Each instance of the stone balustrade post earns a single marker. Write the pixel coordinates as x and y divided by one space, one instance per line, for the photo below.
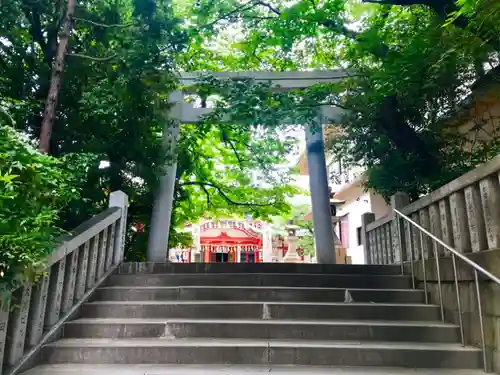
39 305
19 325
56 286
398 201
119 199
4 321
366 219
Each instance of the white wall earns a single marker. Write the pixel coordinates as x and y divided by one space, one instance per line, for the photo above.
354 208
357 203
344 174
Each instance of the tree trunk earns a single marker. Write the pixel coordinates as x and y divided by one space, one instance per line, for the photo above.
49 113
392 122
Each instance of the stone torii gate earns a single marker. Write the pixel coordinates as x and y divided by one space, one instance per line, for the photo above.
182 112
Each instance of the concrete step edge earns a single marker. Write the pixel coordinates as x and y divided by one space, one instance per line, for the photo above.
257 274
272 288
296 344
113 369
333 323
271 303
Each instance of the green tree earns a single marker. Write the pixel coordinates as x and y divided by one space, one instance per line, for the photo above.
113 102
229 170
34 190
406 71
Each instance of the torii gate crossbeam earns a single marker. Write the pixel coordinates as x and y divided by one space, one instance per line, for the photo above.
318 179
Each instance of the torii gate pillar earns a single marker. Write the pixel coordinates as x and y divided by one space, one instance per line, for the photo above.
320 195
162 208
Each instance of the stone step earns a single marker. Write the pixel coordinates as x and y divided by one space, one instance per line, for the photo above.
259 310
134 268
217 351
263 329
230 293
268 280
74 369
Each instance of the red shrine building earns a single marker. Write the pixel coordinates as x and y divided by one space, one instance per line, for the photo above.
231 241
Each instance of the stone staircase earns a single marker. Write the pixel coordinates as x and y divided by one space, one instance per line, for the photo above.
264 315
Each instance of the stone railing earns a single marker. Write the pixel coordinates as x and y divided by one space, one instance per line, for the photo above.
34 314
463 213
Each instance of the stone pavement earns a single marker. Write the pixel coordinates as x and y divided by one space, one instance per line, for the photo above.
73 369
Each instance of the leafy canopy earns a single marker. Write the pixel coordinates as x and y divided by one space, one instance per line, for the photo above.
113 99
231 168
113 103
407 72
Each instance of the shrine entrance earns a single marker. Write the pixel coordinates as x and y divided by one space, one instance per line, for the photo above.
220 258
250 254
186 112
230 241
248 257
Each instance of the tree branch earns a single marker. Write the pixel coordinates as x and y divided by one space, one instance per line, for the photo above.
381 51
256 18
207 193
223 194
99 59
240 8
269 6
102 24
228 140
240 161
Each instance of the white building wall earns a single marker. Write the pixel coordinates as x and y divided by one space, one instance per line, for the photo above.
340 174
357 203
354 208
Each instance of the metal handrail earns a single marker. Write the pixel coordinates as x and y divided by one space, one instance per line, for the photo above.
452 250
454 254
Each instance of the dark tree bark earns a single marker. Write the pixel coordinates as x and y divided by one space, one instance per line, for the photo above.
49 114
392 122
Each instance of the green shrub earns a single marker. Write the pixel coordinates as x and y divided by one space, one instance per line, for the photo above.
35 189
